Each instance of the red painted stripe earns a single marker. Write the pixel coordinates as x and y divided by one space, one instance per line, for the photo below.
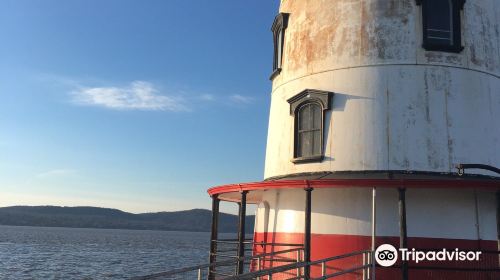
365 183
327 245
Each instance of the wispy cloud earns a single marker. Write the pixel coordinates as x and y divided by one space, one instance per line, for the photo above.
207 97
56 173
139 95
241 99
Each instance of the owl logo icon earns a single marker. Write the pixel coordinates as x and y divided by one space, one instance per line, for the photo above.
386 255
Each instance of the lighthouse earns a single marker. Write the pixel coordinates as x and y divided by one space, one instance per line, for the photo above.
383 129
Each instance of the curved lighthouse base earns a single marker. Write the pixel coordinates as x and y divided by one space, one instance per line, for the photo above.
341 223
450 214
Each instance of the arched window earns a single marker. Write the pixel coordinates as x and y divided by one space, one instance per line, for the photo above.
308 109
441 24
279 25
309 130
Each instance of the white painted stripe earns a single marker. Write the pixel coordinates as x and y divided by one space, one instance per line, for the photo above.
433 213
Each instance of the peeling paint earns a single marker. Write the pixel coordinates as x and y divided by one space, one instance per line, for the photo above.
330 34
408 108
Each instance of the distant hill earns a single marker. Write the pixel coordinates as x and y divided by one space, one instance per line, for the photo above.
95 217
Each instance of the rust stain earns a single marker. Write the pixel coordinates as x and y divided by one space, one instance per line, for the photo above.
345 32
443 57
382 25
482 41
322 30
364 41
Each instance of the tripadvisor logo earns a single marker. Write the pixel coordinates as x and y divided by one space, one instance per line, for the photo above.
387 255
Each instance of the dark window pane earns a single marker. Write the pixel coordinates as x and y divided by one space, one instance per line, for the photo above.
309 131
298 152
439 22
316 116
305 148
316 142
279 51
304 117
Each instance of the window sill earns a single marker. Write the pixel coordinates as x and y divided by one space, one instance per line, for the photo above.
275 73
438 48
307 159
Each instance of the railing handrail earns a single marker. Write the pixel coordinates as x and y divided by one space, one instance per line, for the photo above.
282 268
278 244
268 254
345 271
249 241
329 259
287 267
175 271
231 240
210 266
269 271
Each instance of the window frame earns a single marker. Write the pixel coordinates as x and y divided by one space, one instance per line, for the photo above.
278 28
299 134
456 46
308 96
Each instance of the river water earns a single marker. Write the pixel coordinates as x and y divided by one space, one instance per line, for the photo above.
74 253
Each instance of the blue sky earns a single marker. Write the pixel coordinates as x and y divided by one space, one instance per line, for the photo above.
136 105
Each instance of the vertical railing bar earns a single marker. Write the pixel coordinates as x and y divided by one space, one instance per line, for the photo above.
364 268
403 234
323 268
241 232
213 235
298 260
368 262
370 268
199 273
258 267
374 232
307 230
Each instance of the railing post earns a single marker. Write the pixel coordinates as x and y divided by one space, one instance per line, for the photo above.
364 263
199 273
403 236
298 261
307 233
323 269
213 235
370 268
241 233
374 232
498 224
258 266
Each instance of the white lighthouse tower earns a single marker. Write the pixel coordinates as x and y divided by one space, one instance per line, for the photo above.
374 104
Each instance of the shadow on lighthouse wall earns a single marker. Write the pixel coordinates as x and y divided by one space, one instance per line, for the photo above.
339 102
